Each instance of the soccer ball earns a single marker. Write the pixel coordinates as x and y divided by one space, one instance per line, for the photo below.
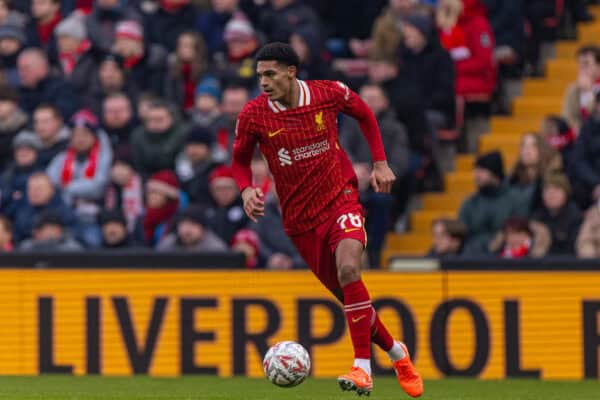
287 364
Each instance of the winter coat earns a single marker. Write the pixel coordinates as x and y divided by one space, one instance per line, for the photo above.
279 25
485 214
586 155
572 107
209 242
63 244
226 221
83 73
393 135
476 75
9 128
563 227
24 214
100 25
47 154
155 152
194 178
149 73
13 182
541 241
55 91
588 239
507 22
212 27
81 188
163 28
32 39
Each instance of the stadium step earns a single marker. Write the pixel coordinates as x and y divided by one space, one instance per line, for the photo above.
567 50
541 87
515 124
562 68
420 221
464 162
459 182
444 201
538 106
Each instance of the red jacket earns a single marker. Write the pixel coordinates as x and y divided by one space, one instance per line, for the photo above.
471 44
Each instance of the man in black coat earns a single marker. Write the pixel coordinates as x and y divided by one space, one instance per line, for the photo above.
169 21
586 162
284 17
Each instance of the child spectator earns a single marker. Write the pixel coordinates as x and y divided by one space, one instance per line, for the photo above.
521 238
206 111
162 203
448 238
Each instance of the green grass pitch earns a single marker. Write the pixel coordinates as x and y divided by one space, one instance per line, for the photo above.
210 388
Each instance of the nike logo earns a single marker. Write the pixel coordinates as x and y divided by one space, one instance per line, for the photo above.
275 133
355 320
348 230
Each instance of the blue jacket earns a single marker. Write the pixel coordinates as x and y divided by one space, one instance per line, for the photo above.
50 90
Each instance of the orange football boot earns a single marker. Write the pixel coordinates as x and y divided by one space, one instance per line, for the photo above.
358 380
408 377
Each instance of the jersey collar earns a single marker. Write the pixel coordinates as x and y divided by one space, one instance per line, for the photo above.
303 100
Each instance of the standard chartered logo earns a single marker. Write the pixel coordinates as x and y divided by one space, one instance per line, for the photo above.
284 157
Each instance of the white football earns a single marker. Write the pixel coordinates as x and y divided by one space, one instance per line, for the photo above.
287 364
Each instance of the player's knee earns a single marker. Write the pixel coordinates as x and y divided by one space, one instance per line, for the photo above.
348 273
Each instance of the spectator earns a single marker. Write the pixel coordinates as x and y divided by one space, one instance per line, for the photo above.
285 16
226 216
49 126
9 14
579 101
508 25
560 214
171 19
276 247
561 137
82 173
387 30
191 234
187 65
242 44
448 238
144 65
211 24
429 71
588 239
395 140
12 39
115 235
50 235
13 183
162 203
155 145
195 163
38 87
6 235
118 120
485 212
234 100
125 192
102 22
536 159
466 33
40 196
307 44
12 121
521 238
207 112
586 166
77 63
144 104
246 241
109 79
46 16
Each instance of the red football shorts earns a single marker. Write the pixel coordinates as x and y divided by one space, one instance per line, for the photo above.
317 246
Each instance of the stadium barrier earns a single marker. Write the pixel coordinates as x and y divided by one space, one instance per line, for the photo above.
467 319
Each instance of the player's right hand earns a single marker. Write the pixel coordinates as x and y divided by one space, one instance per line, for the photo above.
254 203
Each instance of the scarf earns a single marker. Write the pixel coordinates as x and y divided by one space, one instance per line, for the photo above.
517 252
171 6
455 42
84 6
561 141
156 216
46 30
223 139
90 168
127 198
189 86
69 60
131 62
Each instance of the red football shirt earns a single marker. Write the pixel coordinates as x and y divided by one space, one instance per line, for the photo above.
301 146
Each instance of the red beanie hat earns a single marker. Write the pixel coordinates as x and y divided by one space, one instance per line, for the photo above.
221 172
249 237
130 30
164 182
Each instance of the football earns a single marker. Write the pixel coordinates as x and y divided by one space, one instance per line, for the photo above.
287 364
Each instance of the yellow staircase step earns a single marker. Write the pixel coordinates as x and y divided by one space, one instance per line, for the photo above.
420 221
500 140
516 124
409 241
561 68
464 162
544 87
588 33
567 50
459 182
537 106
444 201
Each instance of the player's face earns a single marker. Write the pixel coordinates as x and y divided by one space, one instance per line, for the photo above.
275 79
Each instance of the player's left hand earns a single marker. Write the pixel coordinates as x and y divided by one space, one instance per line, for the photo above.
382 177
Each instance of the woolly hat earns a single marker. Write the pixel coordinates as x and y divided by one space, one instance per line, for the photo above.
421 22
12 30
492 161
130 30
246 236
222 172
558 180
27 139
164 182
73 27
238 29
209 86
85 119
199 134
112 216
48 217
192 213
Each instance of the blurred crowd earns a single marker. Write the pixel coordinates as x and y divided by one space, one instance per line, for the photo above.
117 117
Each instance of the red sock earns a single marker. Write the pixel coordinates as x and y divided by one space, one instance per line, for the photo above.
380 335
359 314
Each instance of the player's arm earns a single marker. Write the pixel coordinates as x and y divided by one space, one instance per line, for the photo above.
243 149
351 104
